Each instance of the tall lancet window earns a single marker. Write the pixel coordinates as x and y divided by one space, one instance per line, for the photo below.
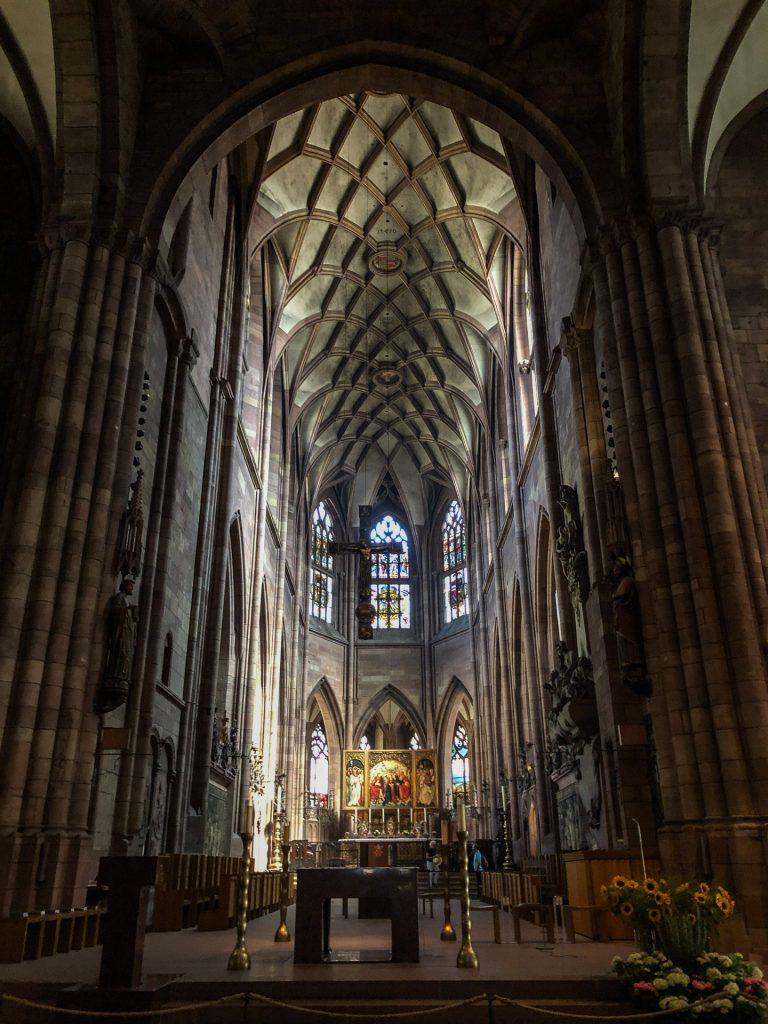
454 564
390 577
318 764
321 587
460 763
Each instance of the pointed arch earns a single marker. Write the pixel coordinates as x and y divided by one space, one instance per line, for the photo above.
323 707
372 709
457 702
322 694
545 592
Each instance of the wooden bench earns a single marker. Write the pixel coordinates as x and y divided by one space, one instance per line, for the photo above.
475 908
543 909
596 917
31 936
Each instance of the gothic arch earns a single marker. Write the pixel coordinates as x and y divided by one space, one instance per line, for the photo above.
264 101
323 695
455 696
322 698
397 697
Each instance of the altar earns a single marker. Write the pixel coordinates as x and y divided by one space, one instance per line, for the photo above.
395 888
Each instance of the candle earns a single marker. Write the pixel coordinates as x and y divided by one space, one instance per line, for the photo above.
425 818
355 822
249 815
369 815
462 820
398 819
411 810
444 832
503 797
287 833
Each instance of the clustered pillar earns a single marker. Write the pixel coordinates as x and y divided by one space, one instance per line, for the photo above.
702 539
95 295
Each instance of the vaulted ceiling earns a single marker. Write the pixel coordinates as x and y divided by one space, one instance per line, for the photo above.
388 286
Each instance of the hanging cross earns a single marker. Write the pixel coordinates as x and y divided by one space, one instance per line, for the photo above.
365 611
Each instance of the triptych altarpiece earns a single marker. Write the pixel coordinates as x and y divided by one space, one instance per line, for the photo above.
390 778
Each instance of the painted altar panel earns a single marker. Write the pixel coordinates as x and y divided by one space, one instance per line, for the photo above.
390 778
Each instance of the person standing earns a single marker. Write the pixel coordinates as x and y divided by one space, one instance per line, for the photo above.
479 864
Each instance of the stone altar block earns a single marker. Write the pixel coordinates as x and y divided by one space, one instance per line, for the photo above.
318 886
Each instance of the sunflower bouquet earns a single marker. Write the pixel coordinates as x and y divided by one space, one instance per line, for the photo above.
676 920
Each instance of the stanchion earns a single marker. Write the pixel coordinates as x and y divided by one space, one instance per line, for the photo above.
467 956
239 958
282 934
447 934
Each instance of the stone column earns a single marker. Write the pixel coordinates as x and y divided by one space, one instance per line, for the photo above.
255 653
349 584
701 542
85 353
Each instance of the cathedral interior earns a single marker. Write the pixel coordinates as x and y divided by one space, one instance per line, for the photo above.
376 383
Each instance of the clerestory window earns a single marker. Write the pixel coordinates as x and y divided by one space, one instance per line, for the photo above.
321 586
390 577
454 552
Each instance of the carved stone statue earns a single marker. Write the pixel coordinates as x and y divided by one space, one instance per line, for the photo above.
628 625
122 620
573 715
569 546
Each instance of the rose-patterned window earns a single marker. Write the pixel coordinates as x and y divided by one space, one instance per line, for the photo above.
321 584
454 558
390 577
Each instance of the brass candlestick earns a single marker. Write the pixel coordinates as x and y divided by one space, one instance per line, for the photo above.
447 934
282 934
467 956
239 958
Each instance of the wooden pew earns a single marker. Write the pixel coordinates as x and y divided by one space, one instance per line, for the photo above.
31 936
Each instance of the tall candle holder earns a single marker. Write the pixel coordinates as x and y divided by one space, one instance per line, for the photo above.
448 934
282 934
467 956
239 958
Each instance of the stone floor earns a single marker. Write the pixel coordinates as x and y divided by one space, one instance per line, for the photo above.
190 967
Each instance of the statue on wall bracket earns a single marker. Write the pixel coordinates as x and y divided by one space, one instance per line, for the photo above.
572 555
122 613
628 625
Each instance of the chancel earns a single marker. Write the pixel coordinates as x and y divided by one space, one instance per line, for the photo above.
384 436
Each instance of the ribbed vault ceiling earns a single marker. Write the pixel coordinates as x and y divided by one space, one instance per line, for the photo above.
387 271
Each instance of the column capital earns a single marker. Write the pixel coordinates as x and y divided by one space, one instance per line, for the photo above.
573 337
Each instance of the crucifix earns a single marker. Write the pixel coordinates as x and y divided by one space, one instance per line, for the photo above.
365 611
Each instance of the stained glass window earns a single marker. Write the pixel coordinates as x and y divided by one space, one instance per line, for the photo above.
318 762
460 760
321 584
454 557
390 591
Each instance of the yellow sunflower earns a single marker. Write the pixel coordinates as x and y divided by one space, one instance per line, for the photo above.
700 897
654 915
682 888
613 898
703 887
626 909
692 919
650 885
